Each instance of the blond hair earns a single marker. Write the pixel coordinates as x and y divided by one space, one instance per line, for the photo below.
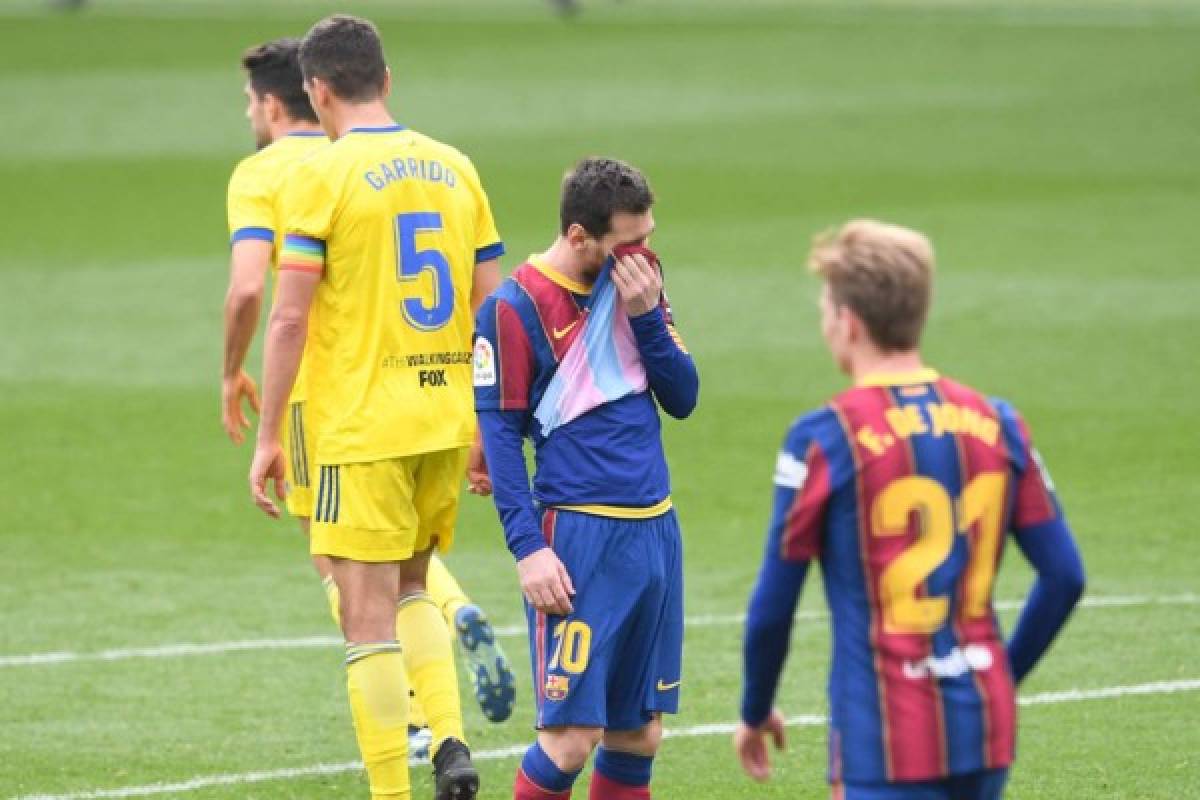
883 273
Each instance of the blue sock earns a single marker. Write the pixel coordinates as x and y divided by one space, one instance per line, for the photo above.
626 768
538 767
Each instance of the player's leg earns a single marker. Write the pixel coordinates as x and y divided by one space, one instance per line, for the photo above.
445 589
489 668
364 518
434 480
375 675
427 652
646 677
550 767
419 735
573 657
297 442
625 762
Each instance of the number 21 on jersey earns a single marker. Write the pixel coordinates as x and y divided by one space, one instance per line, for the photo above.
939 519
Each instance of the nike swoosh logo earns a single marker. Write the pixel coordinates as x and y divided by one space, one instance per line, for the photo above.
666 687
558 334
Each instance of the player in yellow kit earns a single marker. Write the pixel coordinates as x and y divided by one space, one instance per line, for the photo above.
389 246
286 131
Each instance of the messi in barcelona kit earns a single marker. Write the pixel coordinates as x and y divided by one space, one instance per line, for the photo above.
562 364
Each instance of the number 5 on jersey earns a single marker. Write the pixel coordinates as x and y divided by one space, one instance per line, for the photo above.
411 263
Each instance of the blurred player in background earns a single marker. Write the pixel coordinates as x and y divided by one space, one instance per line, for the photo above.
286 130
573 351
389 241
904 487
568 8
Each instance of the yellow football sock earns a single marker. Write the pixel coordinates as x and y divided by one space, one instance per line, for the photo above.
379 702
444 589
416 714
430 661
331 592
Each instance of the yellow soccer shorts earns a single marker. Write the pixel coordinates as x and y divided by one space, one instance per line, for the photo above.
297 444
387 510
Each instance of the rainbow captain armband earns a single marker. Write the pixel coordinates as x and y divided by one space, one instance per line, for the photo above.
302 253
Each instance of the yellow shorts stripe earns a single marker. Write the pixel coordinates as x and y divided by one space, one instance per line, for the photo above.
329 495
393 508
302 441
623 512
298 451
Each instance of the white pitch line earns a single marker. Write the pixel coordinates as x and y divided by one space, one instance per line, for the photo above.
1073 695
512 751
701 621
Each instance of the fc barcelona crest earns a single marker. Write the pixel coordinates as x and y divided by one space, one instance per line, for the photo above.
557 687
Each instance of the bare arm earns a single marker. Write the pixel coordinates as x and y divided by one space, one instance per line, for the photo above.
287 330
249 262
485 281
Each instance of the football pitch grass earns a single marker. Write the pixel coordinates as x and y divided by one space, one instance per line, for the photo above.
1049 149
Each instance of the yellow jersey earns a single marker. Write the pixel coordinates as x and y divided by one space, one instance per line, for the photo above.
395 223
252 201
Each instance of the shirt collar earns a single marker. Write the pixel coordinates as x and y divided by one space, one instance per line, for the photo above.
573 286
908 378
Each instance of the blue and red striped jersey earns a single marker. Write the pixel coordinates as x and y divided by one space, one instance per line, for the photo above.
904 489
609 460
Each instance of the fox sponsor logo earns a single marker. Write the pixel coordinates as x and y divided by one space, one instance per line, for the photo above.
557 687
959 661
432 377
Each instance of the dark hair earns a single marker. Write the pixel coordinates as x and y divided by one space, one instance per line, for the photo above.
596 189
346 53
274 69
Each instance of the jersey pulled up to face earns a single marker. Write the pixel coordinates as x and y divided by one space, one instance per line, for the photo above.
609 461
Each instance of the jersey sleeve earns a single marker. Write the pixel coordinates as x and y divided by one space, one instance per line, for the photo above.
503 358
802 492
249 205
488 244
1034 500
307 209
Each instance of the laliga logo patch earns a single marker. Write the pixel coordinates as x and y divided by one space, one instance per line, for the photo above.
557 687
485 363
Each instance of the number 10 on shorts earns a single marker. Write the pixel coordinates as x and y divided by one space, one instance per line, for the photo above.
572 645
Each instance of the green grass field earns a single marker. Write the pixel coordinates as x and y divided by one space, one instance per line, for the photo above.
1050 150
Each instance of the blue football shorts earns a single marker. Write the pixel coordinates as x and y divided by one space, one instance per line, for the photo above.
616 660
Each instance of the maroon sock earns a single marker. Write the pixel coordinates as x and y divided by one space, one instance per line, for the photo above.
605 788
525 789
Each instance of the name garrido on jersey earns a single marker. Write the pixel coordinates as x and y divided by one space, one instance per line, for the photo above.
399 169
